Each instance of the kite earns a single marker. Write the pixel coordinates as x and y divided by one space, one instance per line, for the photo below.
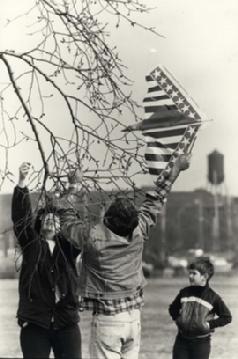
170 124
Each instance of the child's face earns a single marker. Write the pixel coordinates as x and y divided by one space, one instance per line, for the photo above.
50 224
196 278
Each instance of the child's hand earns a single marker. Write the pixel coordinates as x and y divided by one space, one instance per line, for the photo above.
24 171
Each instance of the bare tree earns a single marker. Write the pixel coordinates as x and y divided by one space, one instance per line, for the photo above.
74 67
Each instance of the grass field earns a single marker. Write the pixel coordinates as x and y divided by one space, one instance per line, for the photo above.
158 331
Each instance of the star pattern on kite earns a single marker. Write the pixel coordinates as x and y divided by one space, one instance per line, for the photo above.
173 92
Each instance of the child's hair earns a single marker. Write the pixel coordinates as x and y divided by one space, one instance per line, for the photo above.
203 265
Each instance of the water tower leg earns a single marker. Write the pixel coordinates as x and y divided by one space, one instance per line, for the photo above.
215 224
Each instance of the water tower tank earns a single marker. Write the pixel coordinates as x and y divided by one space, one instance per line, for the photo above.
216 167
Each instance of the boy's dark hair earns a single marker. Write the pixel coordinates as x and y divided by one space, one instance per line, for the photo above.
42 212
121 217
203 265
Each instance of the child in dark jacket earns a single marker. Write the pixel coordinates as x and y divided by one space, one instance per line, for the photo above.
197 311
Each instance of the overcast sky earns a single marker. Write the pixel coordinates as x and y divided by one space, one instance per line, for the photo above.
200 48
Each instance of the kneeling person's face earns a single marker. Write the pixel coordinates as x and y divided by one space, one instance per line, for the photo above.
50 224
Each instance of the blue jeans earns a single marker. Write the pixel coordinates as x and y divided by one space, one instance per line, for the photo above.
197 348
116 336
37 342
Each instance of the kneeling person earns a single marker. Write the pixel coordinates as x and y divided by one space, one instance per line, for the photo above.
48 283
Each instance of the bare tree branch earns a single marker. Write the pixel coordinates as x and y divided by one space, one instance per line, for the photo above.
72 64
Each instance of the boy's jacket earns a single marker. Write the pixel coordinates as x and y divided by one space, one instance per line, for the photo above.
194 307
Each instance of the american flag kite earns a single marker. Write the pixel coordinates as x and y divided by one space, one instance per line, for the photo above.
171 122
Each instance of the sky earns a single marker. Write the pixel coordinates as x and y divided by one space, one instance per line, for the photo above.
200 49
199 46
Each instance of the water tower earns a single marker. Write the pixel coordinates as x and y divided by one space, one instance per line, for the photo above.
216 180
216 168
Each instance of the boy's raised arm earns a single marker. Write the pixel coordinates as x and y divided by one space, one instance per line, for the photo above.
155 199
73 228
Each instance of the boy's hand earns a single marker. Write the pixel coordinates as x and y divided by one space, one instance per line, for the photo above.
23 173
182 163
